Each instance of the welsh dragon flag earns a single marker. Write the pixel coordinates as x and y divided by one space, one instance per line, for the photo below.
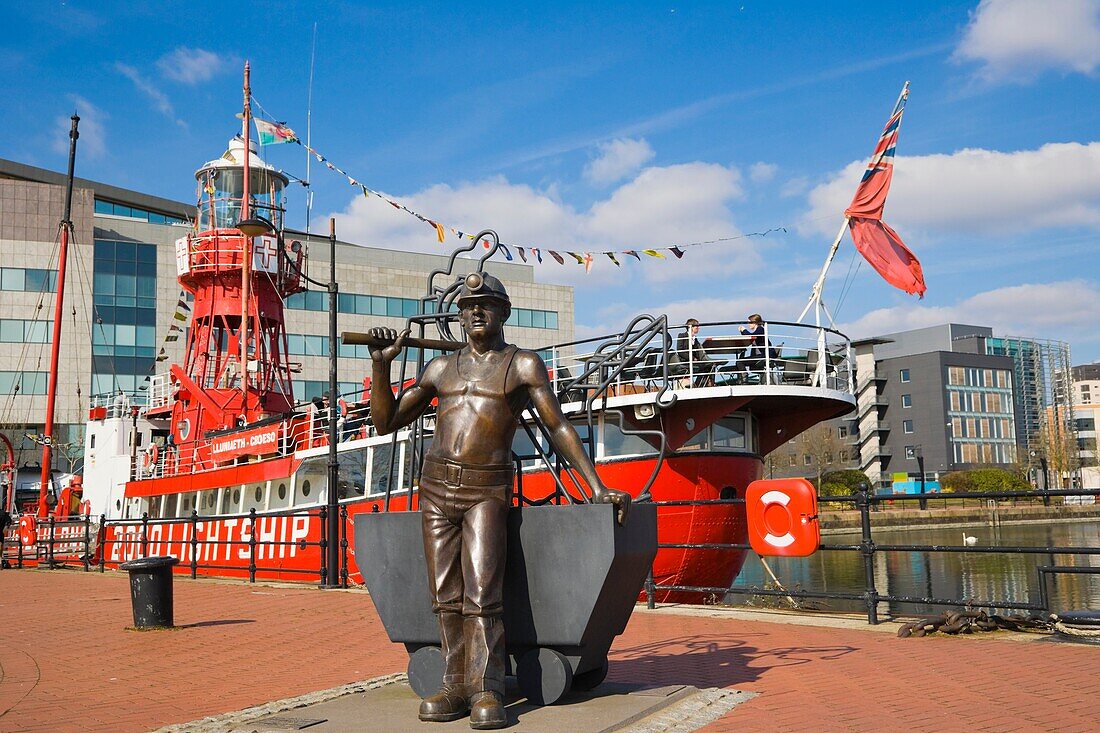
272 133
878 243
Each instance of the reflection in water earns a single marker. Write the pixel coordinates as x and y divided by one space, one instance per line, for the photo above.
979 576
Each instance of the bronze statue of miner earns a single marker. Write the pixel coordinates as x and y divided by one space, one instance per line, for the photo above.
466 484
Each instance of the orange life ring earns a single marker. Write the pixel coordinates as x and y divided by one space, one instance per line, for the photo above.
151 455
28 531
782 517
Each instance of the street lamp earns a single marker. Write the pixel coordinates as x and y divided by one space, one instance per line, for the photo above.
918 453
255 226
332 520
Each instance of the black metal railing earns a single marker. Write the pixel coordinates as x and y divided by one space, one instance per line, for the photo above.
864 500
60 542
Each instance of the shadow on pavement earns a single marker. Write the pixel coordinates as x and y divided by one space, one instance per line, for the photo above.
223 622
703 661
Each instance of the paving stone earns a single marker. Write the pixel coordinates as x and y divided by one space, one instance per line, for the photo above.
64 637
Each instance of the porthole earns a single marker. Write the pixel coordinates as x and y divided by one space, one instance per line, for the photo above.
259 494
282 491
118 504
236 497
305 488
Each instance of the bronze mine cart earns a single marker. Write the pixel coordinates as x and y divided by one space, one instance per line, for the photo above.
572 578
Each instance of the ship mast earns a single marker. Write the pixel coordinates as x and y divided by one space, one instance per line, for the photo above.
246 244
55 343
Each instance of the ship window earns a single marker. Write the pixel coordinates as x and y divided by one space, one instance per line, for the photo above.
525 449
279 498
729 433
617 443
118 504
236 498
259 494
380 469
306 488
697 442
353 473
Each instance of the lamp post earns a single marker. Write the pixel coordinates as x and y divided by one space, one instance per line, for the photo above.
918 453
332 506
332 579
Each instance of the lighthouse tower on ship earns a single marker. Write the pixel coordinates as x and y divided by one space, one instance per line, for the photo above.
235 379
235 370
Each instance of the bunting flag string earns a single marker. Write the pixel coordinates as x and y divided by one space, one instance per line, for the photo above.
274 133
175 330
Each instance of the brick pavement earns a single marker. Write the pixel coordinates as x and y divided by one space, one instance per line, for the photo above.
67 663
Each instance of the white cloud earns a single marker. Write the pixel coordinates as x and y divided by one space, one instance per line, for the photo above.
92 142
976 191
190 65
1018 39
661 207
1063 310
762 172
160 99
618 159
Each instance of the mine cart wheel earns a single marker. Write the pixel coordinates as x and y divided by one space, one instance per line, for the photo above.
590 679
544 676
426 666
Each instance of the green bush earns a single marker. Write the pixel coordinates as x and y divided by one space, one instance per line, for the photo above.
983 480
842 483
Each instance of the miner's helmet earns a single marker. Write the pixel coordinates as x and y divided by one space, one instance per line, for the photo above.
482 285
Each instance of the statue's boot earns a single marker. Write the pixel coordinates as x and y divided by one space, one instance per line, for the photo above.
487 711
485 671
450 703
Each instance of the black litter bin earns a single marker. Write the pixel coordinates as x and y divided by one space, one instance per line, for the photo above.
151 590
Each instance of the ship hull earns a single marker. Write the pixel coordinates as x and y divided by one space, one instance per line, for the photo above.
693 492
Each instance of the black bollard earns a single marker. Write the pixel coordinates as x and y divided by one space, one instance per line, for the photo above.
151 591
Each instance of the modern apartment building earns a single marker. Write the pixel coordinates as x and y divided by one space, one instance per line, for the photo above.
1086 407
123 306
935 399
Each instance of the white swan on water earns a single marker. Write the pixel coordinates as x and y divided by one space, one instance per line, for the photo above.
969 541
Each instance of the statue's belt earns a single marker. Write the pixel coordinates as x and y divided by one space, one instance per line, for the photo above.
456 474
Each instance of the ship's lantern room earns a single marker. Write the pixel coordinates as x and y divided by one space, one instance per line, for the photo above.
221 188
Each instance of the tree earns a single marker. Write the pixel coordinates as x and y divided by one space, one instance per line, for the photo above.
821 444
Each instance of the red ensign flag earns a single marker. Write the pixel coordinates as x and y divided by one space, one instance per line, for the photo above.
878 243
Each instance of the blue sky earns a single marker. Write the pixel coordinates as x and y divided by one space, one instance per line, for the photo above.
612 126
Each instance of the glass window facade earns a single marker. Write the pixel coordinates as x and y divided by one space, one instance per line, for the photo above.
27 383
379 305
28 279
15 331
132 212
306 389
980 410
124 337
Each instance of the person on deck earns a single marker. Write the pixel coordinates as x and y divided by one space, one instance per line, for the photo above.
754 359
690 352
466 486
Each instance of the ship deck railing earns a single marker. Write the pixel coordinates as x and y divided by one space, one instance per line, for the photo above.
786 354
